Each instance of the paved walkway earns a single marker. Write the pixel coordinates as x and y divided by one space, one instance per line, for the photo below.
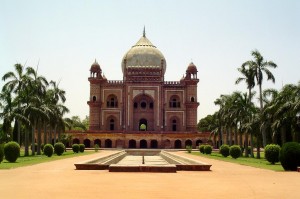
59 179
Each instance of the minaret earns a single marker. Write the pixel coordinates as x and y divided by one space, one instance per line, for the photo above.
94 102
191 81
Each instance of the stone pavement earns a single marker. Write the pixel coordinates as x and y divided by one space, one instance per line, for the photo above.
59 179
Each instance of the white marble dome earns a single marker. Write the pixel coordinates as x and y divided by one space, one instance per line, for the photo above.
144 55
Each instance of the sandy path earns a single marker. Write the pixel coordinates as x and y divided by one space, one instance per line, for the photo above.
59 179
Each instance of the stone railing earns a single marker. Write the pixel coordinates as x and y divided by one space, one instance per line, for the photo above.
115 81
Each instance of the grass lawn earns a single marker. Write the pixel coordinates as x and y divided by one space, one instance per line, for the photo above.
253 162
31 160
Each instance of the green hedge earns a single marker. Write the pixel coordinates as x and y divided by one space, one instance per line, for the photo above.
75 148
207 149
59 148
48 150
224 150
272 153
81 148
235 151
201 148
11 151
289 156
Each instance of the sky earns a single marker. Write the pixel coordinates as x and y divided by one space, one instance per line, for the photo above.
63 38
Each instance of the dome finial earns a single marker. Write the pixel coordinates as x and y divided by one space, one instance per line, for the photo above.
144 32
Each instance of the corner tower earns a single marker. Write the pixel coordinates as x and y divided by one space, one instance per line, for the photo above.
191 80
95 79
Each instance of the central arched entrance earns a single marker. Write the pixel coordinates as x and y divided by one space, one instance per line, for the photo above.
143 113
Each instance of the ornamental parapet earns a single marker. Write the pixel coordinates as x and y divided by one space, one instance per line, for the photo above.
115 81
172 82
146 132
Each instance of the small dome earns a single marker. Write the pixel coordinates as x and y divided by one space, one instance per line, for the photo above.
95 67
192 68
144 55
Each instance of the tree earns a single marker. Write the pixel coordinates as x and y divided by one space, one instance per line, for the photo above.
221 103
8 111
55 99
262 66
284 114
210 124
27 99
15 84
242 111
248 75
205 123
38 85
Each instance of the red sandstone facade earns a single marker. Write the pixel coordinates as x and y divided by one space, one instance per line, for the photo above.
142 110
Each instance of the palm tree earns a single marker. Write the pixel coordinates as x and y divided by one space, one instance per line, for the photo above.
38 85
262 66
296 110
213 127
248 75
55 95
269 96
15 84
221 103
242 111
8 110
284 115
248 72
58 94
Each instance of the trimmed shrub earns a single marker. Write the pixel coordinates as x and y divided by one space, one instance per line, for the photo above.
235 151
75 148
42 147
201 148
188 148
48 150
289 156
272 153
96 147
224 150
59 148
207 149
1 153
81 148
11 151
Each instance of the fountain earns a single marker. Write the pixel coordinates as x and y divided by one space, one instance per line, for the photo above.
141 160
